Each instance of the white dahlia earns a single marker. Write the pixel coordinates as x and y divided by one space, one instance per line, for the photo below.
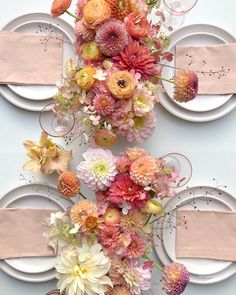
98 170
83 271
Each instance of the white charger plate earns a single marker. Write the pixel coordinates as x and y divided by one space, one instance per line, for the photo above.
202 271
201 103
29 24
214 107
35 195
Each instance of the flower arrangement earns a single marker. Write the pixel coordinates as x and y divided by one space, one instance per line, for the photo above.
113 87
104 245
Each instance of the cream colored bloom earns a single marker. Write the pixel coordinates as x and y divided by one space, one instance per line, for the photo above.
84 271
46 156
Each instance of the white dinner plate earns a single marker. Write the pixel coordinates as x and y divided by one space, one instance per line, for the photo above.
202 271
204 107
35 195
29 24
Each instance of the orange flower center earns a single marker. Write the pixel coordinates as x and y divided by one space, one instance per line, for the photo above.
91 222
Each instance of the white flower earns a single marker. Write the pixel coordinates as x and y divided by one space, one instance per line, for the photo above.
98 170
55 217
75 229
100 75
84 270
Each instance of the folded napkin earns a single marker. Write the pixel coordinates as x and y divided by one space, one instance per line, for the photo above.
21 233
206 234
29 59
215 66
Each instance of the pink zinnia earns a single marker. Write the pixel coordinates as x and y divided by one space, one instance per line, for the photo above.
175 279
123 189
104 104
136 248
138 58
109 236
123 163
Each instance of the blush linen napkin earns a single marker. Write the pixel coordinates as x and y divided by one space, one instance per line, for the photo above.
22 233
24 60
215 66
206 234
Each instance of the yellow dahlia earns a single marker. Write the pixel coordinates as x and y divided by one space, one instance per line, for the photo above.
144 170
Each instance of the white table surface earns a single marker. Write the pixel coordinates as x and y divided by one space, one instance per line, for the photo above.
210 146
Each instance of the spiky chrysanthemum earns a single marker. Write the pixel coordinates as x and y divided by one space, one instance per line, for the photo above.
111 37
138 58
175 279
186 86
119 8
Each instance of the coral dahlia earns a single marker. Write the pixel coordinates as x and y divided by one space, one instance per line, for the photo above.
119 8
109 236
175 279
136 248
138 58
112 37
186 86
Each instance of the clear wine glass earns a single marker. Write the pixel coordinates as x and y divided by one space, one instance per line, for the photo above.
56 123
174 11
181 166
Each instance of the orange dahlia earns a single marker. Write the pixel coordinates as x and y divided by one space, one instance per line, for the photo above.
119 8
68 184
144 170
82 210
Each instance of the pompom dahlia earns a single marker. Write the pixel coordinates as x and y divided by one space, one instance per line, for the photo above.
123 189
123 163
111 37
68 184
98 170
186 86
104 104
144 170
138 58
175 279
119 8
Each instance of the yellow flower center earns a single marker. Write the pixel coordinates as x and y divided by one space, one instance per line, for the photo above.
78 271
104 101
141 101
138 122
100 168
91 222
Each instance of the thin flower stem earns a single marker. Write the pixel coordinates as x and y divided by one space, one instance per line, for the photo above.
156 264
83 196
149 217
73 15
164 79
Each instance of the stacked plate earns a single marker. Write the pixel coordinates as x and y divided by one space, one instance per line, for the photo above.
34 195
34 98
204 107
202 271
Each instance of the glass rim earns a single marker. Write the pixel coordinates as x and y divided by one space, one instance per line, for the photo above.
51 109
182 12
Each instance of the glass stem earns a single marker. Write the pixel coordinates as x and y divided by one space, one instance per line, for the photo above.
73 15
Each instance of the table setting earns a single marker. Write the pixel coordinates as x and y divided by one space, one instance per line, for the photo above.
118 147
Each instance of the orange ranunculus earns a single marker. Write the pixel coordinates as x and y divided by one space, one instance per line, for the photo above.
85 79
59 7
121 84
137 25
104 137
96 12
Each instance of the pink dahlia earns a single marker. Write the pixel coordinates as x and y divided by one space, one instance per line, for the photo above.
142 128
123 163
82 33
109 236
136 248
104 104
111 37
186 86
133 222
175 279
138 58
123 189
